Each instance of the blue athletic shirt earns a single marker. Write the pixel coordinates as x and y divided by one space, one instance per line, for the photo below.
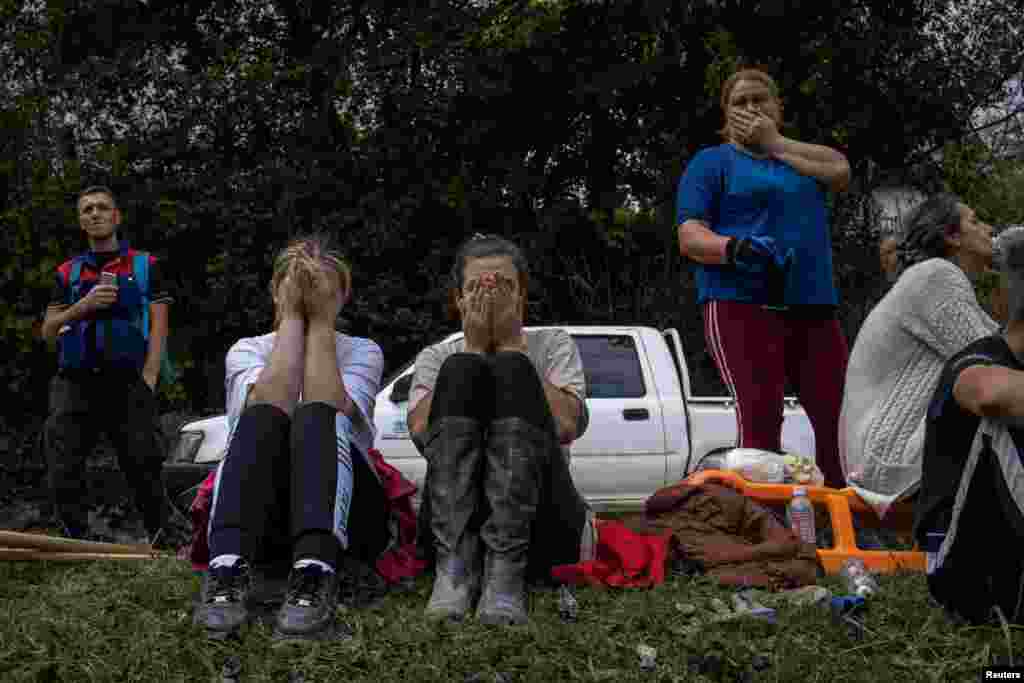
739 196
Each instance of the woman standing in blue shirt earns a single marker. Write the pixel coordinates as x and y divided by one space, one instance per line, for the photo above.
751 214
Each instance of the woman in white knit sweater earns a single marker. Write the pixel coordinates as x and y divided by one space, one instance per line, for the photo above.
930 313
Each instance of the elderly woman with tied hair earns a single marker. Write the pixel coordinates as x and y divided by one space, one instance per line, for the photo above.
929 314
751 214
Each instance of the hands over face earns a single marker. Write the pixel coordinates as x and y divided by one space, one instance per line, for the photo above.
475 309
752 128
288 297
507 315
492 318
322 297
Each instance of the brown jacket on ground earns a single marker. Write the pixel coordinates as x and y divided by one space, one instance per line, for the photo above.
732 538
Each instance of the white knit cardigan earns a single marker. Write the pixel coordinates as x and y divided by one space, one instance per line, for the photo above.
930 313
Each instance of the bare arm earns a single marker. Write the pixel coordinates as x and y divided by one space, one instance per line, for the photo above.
418 416
322 377
57 317
565 408
99 297
816 161
475 311
281 380
991 391
700 243
158 326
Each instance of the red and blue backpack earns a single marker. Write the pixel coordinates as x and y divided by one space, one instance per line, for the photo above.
121 332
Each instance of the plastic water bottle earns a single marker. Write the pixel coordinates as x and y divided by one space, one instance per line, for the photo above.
857 578
801 516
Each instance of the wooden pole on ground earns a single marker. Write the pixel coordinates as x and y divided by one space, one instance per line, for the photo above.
26 554
58 544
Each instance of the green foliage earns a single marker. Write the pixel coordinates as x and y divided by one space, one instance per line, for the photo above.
226 128
992 186
725 58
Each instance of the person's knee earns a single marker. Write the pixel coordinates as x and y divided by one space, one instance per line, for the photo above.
313 412
520 391
463 363
514 368
464 388
262 418
468 372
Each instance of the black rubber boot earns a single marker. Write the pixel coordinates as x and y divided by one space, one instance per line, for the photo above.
454 451
516 458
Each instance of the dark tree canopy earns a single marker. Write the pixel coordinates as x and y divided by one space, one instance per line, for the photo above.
228 125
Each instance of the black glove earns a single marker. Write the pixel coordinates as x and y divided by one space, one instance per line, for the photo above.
752 254
778 276
759 255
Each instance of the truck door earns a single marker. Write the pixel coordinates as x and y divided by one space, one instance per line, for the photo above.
621 457
680 451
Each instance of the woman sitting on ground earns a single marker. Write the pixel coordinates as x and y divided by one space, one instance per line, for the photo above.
295 481
929 314
490 412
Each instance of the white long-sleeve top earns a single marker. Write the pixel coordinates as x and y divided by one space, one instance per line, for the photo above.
930 313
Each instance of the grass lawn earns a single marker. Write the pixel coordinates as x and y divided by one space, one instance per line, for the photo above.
131 621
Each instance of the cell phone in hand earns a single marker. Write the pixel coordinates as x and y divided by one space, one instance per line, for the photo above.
108 279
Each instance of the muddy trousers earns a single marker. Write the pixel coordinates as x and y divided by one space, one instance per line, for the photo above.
274 496
491 390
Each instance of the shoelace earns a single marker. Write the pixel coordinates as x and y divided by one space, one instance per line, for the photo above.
225 582
306 585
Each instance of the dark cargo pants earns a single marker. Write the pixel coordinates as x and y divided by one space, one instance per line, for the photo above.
119 403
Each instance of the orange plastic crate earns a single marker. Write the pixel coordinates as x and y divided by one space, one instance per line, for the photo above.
841 504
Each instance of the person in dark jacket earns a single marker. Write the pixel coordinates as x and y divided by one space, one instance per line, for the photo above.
970 510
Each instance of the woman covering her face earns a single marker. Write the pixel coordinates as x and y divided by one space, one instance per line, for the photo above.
752 217
296 486
490 412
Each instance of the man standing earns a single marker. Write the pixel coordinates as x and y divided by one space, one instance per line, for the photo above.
108 313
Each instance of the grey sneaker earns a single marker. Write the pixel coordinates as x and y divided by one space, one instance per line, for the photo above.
309 606
222 605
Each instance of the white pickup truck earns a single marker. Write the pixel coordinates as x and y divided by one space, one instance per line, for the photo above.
646 428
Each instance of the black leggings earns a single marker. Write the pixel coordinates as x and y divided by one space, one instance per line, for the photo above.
275 492
503 385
